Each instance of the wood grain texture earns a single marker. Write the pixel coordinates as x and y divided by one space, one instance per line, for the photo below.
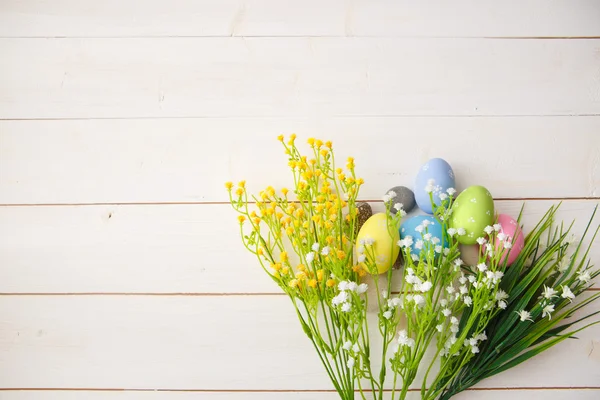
258 77
204 343
471 18
159 249
516 394
188 160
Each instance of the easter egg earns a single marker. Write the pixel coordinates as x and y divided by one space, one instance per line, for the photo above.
510 228
364 213
375 238
472 210
404 196
415 228
438 171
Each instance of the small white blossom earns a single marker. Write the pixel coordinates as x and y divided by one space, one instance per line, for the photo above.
360 249
458 262
414 257
567 294
315 247
395 302
362 288
451 191
547 311
501 236
501 295
454 321
446 251
352 286
481 337
419 228
549 292
507 245
502 304
392 194
369 241
418 299
355 348
384 294
468 301
429 188
438 249
387 314
454 328
386 198
489 229
451 232
446 312
463 290
427 237
481 241
419 244
450 289
325 250
408 241
410 271
310 257
398 206
472 278
346 307
461 231
497 227
443 302
584 276
426 286
347 345
362 258
524 315
350 362
339 299
443 196
474 349
343 285
482 267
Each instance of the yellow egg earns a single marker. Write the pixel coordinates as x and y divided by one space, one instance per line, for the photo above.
384 249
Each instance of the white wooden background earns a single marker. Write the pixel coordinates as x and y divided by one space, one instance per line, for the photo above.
121 271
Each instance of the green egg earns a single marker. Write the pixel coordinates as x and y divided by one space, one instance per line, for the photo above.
472 210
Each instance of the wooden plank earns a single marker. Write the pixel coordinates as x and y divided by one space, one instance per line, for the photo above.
490 394
258 77
203 343
188 160
157 249
113 18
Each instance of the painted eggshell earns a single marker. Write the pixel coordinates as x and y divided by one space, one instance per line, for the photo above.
510 227
441 172
384 245
472 210
409 228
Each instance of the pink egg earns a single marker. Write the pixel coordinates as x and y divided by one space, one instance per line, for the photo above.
510 227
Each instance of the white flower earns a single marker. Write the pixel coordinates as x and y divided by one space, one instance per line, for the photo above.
454 321
419 228
446 312
481 267
362 288
426 286
404 340
435 240
454 328
419 244
355 348
384 294
387 314
315 247
346 307
451 232
498 276
410 271
476 284
474 349
468 301
386 198
325 250
549 292
584 276
489 229
463 290
458 262
362 258
473 341
443 302
350 362
343 285
347 345
461 231
451 191
438 249
446 251
426 223
443 196
501 295
361 248
429 188
352 286
408 241
450 289
481 337
414 257
427 237
501 236
567 294
472 278
524 315
507 245
339 299
398 206
481 241
395 302
418 299
310 257
392 194
497 227
502 304
547 311
369 241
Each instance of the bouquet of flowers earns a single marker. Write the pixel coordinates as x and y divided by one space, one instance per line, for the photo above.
333 258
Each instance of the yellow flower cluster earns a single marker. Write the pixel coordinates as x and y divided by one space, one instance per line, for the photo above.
318 223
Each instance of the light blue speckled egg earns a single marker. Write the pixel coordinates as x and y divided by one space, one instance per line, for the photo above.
443 176
408 228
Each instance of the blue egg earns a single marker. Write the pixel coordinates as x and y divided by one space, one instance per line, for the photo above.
443 176
435 228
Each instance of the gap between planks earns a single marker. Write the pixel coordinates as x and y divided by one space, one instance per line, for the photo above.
483 389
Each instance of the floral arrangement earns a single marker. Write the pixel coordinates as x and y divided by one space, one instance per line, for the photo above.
334 258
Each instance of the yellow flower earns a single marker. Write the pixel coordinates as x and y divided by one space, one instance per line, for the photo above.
312 283
301 185
279 215
300 213
341 254
318 143
276 266
242 184
324 152
293 283
260 251
301 275
257 221
307 175
228 185
329 144
285 270
318 172
292 164
349 180
284 191
320 274
239 191
292 138
280 138
341 177
312 161
329 239
356 268
362 273
311 141
333 217
301 267
360 181
283 256
316 218
289 231
305 224
241 218
330 283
